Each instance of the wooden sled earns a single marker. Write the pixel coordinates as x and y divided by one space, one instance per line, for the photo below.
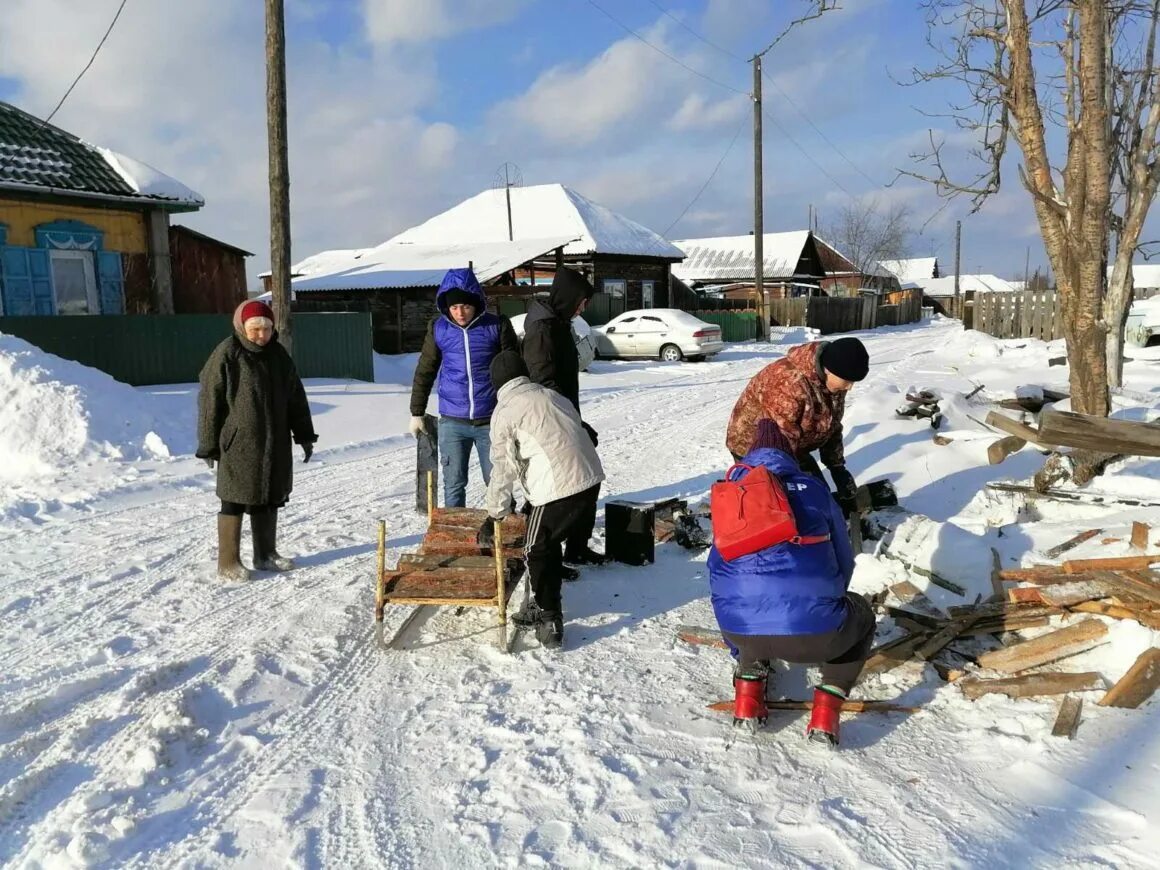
450 568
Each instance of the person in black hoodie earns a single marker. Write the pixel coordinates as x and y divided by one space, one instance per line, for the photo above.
549 352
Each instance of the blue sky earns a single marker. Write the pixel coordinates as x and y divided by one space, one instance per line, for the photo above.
401 108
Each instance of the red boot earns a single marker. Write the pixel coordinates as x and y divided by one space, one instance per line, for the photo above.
749 699
823 727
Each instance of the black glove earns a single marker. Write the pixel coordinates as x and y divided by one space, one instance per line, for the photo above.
526 508
844 482
591 433
485 537
209 460
307 451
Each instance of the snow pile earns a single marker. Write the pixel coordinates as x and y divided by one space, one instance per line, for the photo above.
58 413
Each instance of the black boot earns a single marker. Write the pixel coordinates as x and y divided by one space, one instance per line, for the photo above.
230 567
584 556
550 630
264 526
568 574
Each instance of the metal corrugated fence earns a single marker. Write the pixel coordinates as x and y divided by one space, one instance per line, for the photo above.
151 349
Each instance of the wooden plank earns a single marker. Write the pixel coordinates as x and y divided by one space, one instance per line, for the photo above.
416 561
999 450
1067 721
1066 594
995 609
1071 543
1103 608
1138 684
1012 427
911 596
890 655
701 636
1116 563
1032 685
1140 536
1068 429
1136 583
945 635
999 626
1064 495
1030 574
1046 648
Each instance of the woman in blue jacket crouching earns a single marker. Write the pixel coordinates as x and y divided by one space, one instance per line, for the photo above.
791 601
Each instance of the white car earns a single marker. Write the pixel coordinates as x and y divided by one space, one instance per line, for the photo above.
651 333
581 334
1143 325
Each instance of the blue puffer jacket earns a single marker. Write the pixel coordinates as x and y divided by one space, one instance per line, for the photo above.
787 589
460 355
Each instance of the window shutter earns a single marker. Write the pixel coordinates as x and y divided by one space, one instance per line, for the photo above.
111 281
27 281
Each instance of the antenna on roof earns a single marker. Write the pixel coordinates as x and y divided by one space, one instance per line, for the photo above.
507 177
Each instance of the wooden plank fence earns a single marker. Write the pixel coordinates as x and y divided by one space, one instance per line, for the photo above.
1025 314
830 314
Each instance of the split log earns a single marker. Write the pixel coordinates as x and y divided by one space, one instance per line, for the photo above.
945 635
1065 594
1071 543
1032 685
1012 427
1067 721
1118 563
1029 575
947 673
847 706
1140 536
1068 429
911 596
1046 648
891 654
1007 609
1138 684
1147 619
999 450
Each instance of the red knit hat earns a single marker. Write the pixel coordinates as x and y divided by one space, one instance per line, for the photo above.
770 436
256 308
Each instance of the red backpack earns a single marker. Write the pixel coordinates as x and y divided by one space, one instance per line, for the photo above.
752 512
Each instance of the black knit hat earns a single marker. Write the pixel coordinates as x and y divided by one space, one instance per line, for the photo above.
507 366
846 358
460 297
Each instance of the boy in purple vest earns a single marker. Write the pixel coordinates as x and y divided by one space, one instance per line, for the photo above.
461 342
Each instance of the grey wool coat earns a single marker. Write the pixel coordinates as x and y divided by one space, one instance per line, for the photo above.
251 403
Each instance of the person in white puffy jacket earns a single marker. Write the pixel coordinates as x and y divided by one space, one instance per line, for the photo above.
538 440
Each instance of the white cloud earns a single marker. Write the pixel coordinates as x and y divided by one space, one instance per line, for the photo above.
390 21
696 112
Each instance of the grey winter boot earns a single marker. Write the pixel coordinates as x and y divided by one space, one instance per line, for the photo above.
265 528
230 567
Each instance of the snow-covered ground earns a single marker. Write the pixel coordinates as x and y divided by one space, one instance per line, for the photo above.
152 717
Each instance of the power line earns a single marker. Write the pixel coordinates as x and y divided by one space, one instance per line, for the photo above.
96 51
75 82
659 50
814 127
807 154
708 180
707 42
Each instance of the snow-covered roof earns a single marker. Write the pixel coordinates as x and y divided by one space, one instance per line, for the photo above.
919 270
1145 276
323 262
539 211
731 258
967 283
150 182
397 264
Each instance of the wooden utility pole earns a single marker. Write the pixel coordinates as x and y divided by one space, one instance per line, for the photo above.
958 257
758 210
279 162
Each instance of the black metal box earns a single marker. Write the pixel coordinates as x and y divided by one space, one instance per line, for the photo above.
629 531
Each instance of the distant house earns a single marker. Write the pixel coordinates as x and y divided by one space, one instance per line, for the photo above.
85 230
938 292
551 225
844 278
915 272
791 263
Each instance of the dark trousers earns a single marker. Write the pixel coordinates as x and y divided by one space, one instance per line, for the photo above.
549 525
841 653
581 534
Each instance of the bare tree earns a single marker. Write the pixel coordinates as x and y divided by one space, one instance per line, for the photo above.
1135 89
868 233
995 50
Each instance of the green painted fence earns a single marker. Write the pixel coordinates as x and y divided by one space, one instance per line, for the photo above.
735 325
149 349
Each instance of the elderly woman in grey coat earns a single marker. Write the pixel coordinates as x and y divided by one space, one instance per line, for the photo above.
250 406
